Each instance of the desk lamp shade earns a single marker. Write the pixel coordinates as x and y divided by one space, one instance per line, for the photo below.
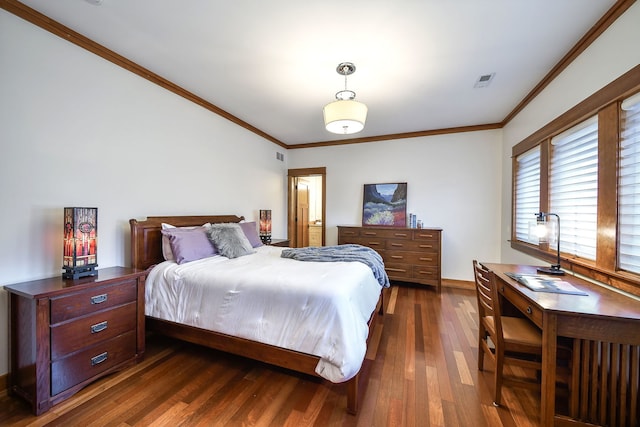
265 225
80 251
544 227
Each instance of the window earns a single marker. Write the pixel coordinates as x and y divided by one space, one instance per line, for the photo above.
527 194
573 187
589 175
629 187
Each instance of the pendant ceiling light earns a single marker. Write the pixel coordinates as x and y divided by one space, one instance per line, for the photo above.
345 115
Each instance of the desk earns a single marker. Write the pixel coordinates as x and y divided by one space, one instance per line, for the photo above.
605 327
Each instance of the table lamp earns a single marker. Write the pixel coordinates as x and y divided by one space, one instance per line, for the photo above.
542 227
80 250
265 226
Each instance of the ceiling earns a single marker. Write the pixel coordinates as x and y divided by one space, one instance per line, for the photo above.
272 64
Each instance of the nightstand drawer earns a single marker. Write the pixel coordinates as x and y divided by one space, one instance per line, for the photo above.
88 330
78 367
91 300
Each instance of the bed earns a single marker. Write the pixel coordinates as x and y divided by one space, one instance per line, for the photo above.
147 253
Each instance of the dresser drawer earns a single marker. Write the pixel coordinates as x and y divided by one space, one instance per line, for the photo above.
91 300
385 233
346 232
425 274
370 242
416 258
399 271
88 330
426 234
414 245
78 367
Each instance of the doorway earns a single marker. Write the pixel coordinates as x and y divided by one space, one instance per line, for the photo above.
306 207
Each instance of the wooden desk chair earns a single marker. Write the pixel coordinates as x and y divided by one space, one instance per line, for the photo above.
516 341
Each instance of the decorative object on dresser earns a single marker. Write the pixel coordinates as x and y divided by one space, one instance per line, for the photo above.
409 255
265 226
385 205
68 333
80 251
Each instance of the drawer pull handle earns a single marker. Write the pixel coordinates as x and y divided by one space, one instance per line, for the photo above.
96 360
399 245
400 234
426 246
426 259
396 270
98 299
397 256
529 310
98 327
370 233
373 243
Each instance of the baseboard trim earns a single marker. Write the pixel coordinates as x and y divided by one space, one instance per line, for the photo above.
458 284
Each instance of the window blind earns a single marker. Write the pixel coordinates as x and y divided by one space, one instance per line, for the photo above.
629 187
573 187
527 194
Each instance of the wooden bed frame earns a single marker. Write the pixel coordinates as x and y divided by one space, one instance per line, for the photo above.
146 251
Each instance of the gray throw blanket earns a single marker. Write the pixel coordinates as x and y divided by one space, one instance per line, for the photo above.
349 252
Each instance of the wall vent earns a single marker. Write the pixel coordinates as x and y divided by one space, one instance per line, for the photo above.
484 80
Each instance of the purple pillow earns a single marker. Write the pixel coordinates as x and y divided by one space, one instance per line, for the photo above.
189 245
250 230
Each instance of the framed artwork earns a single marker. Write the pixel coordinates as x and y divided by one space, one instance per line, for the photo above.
385 205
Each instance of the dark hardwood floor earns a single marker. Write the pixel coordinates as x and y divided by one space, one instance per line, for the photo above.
421 370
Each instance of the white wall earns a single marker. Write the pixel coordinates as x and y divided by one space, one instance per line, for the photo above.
614 53
76 130
453 182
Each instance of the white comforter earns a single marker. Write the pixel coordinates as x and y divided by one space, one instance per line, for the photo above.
319 308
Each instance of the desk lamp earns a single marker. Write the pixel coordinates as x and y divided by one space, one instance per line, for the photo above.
543 229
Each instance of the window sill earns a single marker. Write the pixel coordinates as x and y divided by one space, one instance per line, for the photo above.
627 282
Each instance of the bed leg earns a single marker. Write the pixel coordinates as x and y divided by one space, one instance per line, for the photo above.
352 395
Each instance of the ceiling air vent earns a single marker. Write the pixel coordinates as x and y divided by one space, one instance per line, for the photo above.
484 80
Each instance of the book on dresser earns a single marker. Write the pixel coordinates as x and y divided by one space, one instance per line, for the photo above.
409 254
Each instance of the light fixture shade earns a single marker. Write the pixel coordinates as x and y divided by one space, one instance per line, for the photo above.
265 225
345 116
80 251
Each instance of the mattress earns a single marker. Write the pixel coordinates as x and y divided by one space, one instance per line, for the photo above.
317 308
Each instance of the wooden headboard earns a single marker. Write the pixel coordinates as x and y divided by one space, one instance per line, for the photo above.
146 238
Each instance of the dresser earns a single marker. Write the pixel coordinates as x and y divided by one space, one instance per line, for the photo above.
409 254
68 333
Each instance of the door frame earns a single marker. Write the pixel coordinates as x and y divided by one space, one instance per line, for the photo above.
292 175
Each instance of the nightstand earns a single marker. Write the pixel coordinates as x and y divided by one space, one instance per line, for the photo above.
68 333
280 242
